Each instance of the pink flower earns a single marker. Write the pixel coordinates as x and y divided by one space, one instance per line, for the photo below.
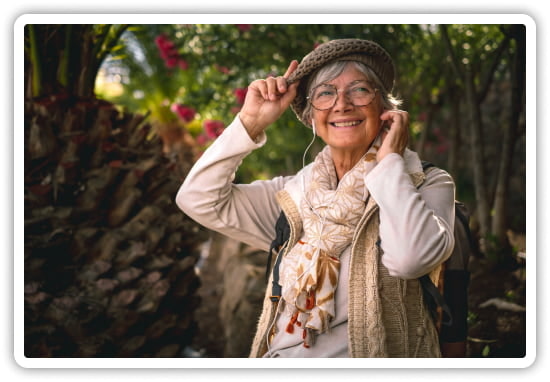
166 47
169 53
202 139
222 69
183 64
240 94
171 62
213 128
186 113
244 27
442 148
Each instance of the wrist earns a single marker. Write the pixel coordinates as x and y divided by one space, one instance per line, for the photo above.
250 125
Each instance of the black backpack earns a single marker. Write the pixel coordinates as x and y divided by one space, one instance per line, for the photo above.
448 303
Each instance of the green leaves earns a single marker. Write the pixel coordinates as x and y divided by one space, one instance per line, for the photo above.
222 58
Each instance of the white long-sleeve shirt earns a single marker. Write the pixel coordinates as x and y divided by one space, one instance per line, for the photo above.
416 225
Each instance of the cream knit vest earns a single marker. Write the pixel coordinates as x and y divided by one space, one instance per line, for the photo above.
387 316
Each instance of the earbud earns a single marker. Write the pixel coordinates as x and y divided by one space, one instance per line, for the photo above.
313 126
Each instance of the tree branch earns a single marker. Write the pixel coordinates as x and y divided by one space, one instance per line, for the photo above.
489 75
455 64
36 63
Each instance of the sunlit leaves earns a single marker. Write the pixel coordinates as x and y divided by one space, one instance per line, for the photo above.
224 58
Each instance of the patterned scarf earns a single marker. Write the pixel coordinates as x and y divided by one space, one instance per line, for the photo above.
330 212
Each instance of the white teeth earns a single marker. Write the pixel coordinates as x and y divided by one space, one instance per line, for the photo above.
346 124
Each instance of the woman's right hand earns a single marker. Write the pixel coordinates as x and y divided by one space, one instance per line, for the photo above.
266 100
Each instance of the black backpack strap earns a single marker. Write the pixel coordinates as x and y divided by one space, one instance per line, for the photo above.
456 291
433 299
426 165
276 290
282 233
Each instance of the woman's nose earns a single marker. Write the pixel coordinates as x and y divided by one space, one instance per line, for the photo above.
343 102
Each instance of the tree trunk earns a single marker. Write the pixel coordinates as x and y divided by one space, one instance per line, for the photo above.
477 157
421 142
474 97
109 258
64 59
454 134
500 206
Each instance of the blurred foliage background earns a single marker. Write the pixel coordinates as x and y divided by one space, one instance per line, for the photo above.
463 86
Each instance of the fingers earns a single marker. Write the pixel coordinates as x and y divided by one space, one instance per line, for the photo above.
273 88
276 86
396 122
281 84
392 117
395 134
291 68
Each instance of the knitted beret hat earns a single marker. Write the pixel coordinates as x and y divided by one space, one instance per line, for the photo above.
364 51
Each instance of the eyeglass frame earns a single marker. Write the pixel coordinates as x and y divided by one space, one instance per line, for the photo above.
346 89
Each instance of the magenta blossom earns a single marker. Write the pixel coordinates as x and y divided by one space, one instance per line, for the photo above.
222 69
240 94
244 27
169 53
166 47
171 62
213 128
186 113
202 139
183 64
442 148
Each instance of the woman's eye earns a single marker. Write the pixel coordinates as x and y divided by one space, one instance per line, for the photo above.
325 93
360 90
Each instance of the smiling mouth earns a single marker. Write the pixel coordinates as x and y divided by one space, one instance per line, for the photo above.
346 124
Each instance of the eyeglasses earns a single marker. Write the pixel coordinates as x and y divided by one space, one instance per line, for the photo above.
324 96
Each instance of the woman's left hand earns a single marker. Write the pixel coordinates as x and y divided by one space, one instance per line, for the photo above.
395 136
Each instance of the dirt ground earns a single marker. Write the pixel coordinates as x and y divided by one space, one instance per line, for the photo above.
493 332
497 332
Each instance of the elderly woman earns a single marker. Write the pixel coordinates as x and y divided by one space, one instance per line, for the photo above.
365 220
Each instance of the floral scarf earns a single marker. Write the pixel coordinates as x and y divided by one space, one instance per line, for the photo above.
330 212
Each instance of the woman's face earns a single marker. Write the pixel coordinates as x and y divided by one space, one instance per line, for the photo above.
346 127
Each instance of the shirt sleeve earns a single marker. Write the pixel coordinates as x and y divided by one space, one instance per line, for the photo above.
244 212
416 224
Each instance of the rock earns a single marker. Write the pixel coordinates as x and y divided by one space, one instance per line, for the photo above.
502 305
241 303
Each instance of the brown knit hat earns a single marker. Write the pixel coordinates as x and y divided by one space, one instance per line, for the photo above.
364 51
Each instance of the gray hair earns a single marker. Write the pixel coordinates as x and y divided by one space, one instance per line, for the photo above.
336 68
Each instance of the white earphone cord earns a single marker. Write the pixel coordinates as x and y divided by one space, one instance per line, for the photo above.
310 143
